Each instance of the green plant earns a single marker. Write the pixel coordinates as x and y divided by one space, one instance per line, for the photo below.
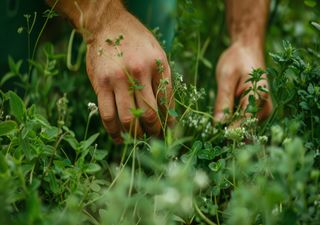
58 166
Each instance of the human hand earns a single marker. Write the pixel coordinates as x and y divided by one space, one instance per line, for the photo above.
232 72
126 65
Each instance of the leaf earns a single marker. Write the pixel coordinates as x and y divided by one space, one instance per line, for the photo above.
72 141
100 154
7 77
17 107
197 145
87 143
206 63
310 3
92 168
263 89
14 67
316 25
304 105
53 183
3 164
50 133
7 127
137 112
95 186
310 89
216 166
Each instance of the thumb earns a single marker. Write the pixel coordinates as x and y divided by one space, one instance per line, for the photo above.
224 101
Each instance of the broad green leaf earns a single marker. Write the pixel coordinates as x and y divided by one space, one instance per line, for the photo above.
197 145
50 133
17 107
87 143
100 154
7 127
72 141
92 168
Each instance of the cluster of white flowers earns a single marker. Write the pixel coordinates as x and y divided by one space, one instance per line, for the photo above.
179 77
235 134
200 123
195 95
250 122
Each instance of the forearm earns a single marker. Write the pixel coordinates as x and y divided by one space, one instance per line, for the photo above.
89 16
247 21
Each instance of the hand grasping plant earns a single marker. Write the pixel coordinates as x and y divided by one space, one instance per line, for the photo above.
121 55
246 23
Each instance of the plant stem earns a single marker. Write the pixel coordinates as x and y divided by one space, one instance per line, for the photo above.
202 216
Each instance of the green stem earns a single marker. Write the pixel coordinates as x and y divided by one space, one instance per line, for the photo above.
201 215
81 50
217 213
87 127
42 29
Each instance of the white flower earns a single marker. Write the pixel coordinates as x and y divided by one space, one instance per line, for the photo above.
170 196
201 179
92 107
235 134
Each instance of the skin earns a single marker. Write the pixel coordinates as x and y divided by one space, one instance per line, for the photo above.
246 24
110 74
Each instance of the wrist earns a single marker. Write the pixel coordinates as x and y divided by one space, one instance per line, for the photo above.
250 37
91 17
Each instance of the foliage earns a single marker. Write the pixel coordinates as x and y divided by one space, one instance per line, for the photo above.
58 166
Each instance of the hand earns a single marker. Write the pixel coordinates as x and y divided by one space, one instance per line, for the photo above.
233 70
125 64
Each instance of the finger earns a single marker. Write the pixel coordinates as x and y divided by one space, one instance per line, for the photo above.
163 91
125 103
266 109
108 114
224 101
146 100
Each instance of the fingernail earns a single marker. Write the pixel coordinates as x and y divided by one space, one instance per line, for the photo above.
218 116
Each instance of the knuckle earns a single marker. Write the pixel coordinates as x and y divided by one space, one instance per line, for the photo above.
137 69
126 121
149 116
102 80
107 118
119 76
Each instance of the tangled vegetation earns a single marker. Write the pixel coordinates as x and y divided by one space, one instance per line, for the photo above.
58 166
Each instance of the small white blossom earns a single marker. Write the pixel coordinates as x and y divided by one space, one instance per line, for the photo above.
170 196
235 134
201 179
93 108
